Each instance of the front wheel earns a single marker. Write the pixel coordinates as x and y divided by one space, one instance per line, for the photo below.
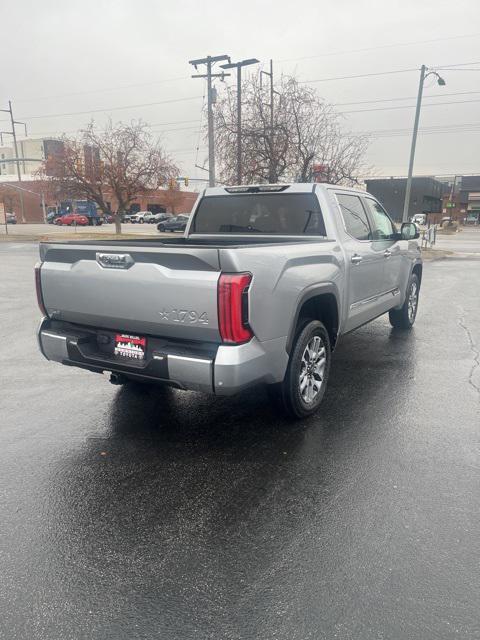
161 228
305 382
404 317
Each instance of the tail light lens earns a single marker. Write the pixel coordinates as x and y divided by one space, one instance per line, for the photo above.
233 307
38 287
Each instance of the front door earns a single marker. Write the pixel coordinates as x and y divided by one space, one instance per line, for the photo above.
386 243
364 263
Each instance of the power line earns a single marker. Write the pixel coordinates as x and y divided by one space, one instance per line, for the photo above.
360 75
460 128
104 90
430 128
387 73
155 124
439 132
178 78
384 46
456 69
433 95
129 106
409 106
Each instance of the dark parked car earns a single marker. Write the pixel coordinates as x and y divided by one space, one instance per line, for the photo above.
11 218
160 217
175 223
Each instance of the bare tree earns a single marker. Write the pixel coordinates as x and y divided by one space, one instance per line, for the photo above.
306 131
121 160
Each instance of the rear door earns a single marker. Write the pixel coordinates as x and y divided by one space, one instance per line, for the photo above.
364 262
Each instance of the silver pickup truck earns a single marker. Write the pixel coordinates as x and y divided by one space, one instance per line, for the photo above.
259 290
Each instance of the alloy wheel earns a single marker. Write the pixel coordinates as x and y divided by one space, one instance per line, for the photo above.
412 301
312 370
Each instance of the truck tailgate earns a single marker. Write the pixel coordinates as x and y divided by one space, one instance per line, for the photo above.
169 292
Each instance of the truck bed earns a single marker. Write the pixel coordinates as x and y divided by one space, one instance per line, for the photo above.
169 288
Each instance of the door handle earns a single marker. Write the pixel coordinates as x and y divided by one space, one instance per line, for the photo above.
387 253
356 259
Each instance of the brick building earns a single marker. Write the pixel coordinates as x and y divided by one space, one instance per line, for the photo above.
462 201
157 200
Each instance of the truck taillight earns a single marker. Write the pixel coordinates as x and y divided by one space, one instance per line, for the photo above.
38 287
233 307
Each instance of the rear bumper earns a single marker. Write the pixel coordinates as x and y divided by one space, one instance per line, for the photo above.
222 370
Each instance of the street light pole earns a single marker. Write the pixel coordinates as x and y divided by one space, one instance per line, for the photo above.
238 66
441 82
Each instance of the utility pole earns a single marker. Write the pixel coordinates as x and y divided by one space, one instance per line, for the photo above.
15 146
238 66
441 82
209 61
272 91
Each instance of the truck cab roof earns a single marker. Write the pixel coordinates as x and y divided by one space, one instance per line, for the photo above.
292 187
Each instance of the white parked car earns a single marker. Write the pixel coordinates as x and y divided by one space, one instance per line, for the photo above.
141 217
419 218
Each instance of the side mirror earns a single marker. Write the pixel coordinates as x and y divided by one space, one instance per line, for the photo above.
409 231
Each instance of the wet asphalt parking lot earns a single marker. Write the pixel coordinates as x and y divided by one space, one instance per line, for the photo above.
162 514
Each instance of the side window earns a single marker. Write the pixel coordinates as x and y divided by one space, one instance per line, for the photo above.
354 216
383 227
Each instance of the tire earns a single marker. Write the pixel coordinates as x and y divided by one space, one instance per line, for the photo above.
404 317
312 336
161 228
141 221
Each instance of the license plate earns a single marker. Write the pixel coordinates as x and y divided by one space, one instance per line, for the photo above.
128 346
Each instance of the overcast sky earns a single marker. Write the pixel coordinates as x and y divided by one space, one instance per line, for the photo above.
72 56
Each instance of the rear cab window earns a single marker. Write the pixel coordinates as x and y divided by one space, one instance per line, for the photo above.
287 214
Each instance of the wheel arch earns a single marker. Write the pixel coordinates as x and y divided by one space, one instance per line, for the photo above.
319 302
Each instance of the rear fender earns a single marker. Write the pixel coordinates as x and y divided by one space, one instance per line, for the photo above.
307 294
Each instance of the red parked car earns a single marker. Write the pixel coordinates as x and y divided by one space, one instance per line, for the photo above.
71 219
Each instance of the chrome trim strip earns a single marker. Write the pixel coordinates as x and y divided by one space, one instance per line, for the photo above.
189 359
360 303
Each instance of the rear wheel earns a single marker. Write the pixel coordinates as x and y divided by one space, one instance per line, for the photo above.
404 317
305 382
